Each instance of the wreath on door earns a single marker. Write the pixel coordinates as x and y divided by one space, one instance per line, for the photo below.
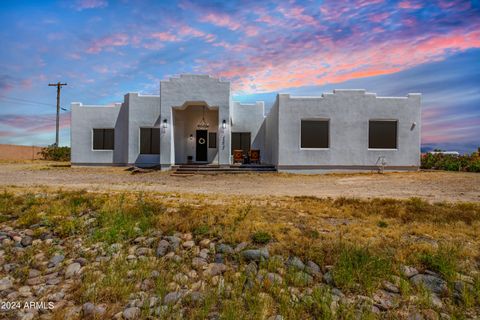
201 141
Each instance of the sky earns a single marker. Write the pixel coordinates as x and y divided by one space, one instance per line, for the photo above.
103 49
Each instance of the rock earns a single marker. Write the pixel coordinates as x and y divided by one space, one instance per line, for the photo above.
25 291
83 262
131 313
313 269
256 254
196 296
142 251
204 243
390 287
241 246
188 244
203 254
26 241
224 248
436 302
273 278
408 271
55 260
88 309
328 278
251 269
6 283
431 282
162 248
199 263
296 263
72 270
214 269
172 297
384 300
54 281
219 258
174 242
276 317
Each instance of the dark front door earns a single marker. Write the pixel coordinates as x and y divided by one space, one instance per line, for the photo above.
202 146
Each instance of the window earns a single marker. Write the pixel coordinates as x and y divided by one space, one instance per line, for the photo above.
382 134
103 139
241 141
314 134
149 140
212 139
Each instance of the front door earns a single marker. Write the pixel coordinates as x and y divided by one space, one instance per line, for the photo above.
202 147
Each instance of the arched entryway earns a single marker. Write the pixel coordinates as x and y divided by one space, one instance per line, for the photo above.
195 133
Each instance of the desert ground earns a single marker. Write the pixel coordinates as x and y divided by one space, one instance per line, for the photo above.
237 246
431 186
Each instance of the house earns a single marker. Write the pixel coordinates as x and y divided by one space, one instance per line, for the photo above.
194 120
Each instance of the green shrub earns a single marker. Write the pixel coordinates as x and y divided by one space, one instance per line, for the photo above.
470 163
261 237
54 153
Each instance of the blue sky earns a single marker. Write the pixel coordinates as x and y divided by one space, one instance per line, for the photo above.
104 49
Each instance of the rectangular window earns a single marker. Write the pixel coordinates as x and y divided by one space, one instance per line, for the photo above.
212 139
382 134
314 134
103 139
241 141
149 140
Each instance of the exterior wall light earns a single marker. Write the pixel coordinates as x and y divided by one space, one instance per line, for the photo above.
224 124
165 123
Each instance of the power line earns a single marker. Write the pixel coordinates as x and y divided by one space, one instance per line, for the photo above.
27 101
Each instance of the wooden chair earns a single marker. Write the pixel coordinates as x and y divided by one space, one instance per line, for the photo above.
237 156
254 156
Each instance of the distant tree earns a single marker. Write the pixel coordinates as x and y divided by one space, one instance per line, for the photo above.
55 153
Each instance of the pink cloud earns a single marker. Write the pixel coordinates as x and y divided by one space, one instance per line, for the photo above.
270 70
221 20
188 31
297 13
35 123
164 36
114 40
90 4
409 5
379 17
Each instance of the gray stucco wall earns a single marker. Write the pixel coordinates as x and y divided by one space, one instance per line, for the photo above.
143 112
84 119
251 118
349 112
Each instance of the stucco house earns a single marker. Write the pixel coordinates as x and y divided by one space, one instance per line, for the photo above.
194 120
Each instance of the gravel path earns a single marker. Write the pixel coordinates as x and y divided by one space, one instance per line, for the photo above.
432 186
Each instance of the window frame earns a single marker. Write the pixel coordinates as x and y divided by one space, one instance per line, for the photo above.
241 133
396 135
328 131
209 139
151 140
92 139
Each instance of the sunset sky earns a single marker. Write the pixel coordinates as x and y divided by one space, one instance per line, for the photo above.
105 48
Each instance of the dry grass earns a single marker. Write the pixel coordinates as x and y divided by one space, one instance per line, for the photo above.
366 240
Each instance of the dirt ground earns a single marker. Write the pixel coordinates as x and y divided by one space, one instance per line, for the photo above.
432 186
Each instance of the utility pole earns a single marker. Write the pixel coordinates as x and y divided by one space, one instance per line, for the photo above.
59 87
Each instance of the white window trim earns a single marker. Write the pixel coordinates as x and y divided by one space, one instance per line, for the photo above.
300 135
102 150
368 135
139 137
